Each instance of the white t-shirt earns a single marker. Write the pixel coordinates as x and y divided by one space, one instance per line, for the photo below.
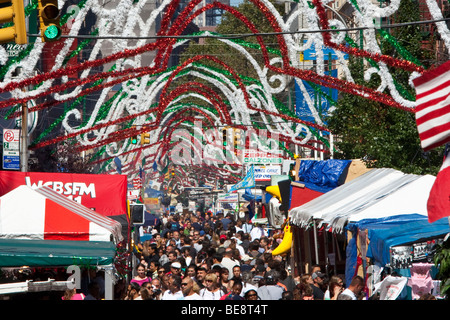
172 296
256 233
205 294
194 296
349 293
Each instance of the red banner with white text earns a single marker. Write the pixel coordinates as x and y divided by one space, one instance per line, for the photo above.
104 193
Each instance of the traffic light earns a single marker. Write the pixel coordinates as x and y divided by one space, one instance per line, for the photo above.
133 138
145 138
237 138
225 136
172 172
12 11
49 20
137 213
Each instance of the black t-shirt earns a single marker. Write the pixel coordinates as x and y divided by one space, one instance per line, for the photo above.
317 293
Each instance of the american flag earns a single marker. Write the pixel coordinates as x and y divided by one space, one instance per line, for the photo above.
438 204
433 106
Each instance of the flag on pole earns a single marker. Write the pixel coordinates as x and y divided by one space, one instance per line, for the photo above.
247 182
433 106
438 205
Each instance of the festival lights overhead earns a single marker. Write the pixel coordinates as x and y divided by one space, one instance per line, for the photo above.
133 97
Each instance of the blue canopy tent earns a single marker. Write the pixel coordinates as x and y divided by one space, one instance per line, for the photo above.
385 233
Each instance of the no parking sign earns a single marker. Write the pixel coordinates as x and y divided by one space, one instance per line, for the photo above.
11 149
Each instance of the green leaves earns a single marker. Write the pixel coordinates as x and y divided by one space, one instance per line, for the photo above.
442 261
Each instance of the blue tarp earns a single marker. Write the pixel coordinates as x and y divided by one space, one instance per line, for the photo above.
322 175
385 233
248 195
153 193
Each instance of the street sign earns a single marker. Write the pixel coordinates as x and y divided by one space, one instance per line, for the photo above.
228 197
311 54
261 157
264 173
11 149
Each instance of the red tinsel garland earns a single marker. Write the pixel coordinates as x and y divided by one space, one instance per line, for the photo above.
164 49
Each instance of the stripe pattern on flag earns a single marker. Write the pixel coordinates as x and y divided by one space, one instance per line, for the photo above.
433 107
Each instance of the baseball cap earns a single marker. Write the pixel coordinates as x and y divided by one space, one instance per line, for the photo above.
317 274
176 265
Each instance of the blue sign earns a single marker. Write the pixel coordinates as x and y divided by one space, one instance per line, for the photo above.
310 54
321 97
11 162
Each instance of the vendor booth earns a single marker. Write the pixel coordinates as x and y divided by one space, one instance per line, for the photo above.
42 228
400 244
393 202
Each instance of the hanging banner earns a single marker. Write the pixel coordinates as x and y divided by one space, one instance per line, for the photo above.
104 193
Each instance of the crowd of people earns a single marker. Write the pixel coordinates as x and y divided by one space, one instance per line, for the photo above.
195 256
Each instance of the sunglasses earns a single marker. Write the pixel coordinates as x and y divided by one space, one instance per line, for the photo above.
184 284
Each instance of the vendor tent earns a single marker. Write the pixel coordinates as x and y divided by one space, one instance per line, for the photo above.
411 198
387 232
43 214
44 253
360 193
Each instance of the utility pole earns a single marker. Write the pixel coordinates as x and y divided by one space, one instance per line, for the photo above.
24 139
23 153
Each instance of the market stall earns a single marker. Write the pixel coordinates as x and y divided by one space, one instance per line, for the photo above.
374 194
47 215
42 228
400 244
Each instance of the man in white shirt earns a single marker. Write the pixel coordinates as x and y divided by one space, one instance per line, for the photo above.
190 289
228 262
257 232
174 292
270 290
353 290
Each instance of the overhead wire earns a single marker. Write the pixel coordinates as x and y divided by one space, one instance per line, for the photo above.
245 35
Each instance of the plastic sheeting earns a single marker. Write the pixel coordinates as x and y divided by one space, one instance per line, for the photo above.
248 195
384 233
324 175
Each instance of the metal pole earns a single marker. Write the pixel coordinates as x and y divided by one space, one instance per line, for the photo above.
316 249
24 139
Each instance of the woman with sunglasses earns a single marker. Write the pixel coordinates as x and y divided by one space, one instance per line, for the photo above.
251 295
212 290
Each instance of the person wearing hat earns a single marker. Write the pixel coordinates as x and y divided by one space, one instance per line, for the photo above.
317 278
175 268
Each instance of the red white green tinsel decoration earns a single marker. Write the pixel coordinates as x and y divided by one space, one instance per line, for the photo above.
146 101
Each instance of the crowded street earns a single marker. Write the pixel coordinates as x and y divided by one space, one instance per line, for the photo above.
248 151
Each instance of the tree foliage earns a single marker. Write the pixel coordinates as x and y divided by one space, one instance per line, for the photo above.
442 261
63 158
382 135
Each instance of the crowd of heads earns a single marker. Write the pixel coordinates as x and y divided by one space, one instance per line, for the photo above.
197 256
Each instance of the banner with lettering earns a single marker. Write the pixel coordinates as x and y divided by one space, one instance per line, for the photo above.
104 193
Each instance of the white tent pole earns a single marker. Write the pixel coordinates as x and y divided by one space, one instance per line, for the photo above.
109 283
315 242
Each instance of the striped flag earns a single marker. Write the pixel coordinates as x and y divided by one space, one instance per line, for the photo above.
438 204
433 107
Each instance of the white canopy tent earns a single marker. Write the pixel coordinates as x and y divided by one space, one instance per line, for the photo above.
43 214
411 198
377 193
